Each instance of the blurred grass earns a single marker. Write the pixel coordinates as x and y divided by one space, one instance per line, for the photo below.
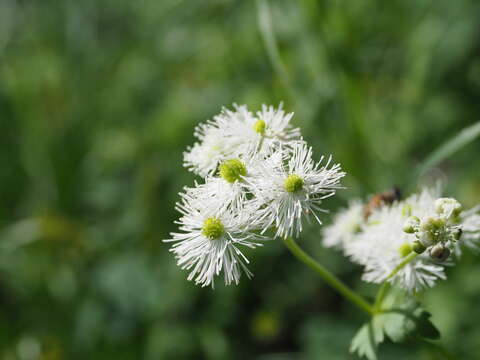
98 99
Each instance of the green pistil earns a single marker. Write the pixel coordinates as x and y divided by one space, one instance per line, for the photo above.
232 170
260 127
213 228
293 183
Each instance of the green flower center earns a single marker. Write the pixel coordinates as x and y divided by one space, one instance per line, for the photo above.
213 228
293 183
232 170
260 127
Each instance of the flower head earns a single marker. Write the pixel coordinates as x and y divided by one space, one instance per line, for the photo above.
211 238
383 245
290 186
346 225
235 132
424 225
258 174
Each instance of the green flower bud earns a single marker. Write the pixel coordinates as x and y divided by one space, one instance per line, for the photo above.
418 247
260 127
439 252
213 228
432 224
426 238
405 249
448 207
293 183
233 170
411 225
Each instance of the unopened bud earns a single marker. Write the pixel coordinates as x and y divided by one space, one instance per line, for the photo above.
405 249
448 207
411 225
418 247
426 238
427 224
439 252
432 224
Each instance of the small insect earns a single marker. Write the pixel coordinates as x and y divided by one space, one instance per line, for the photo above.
378 200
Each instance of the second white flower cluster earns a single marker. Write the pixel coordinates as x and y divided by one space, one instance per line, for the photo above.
259 175
405 242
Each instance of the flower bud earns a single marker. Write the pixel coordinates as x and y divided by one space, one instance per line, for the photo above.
418 247
432 224
448 207
439 252
405 249
427 224
426 238
411 225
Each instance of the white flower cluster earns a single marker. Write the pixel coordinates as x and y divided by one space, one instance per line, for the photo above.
424 224
259 174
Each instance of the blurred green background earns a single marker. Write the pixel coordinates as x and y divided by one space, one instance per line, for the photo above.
98 100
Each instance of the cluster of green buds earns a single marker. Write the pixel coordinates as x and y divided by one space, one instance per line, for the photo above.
436 233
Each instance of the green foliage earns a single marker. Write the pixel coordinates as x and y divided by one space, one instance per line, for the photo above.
402 318
98 100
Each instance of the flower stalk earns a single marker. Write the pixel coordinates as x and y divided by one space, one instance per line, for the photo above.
328 277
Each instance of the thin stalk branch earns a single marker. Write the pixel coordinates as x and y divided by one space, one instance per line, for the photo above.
329 278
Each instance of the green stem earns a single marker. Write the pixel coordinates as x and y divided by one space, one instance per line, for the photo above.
329 278
380 296
399 267
386 285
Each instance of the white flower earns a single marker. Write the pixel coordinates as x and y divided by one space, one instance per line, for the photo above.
234 133
229 188
383 245
346 224
289 186
203 157
269 128
274 125
210 239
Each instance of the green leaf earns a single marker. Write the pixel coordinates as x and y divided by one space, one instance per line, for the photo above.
447 149
402 319
364 344
425 328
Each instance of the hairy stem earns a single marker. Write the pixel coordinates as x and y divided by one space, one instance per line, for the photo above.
329 278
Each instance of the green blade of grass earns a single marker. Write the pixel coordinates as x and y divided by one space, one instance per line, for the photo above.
268 37
450 147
